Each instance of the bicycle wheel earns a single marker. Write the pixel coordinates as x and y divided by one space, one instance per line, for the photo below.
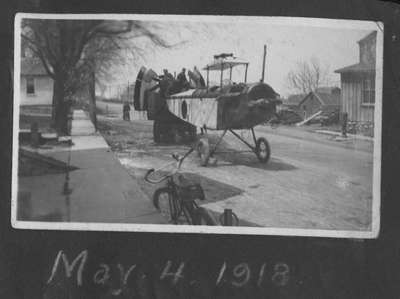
163 201
203 217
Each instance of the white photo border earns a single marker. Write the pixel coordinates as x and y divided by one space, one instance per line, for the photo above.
166 228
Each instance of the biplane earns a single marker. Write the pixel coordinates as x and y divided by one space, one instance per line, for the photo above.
226 107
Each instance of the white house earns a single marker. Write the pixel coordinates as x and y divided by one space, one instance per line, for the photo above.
358 86
36 86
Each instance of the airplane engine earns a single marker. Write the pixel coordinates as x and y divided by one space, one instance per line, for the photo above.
255 104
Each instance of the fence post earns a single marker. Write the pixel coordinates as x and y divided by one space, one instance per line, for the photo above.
228 217
344 124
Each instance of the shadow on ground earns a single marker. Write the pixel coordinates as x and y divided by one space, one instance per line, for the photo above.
242 223
214 190
250 160
25 210
31 163
237 156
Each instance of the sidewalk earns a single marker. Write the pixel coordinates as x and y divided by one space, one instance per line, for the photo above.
101 189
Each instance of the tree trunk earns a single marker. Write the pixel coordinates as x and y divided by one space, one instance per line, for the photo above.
60 106
92 99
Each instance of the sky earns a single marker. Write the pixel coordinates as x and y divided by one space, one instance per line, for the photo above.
195 43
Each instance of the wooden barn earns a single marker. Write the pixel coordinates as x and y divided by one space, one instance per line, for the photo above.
292 101
325 99
358 87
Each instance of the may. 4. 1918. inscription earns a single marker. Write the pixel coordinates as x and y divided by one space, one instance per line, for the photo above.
236 275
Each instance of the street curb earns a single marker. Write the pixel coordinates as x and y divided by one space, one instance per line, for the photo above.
326 132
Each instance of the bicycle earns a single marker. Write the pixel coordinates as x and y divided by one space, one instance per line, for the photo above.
178 201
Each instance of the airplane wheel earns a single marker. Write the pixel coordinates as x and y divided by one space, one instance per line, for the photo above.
203 149
262 150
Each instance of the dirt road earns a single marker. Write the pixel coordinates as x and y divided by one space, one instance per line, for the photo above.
306 184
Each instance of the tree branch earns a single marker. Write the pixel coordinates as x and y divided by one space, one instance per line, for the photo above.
40 55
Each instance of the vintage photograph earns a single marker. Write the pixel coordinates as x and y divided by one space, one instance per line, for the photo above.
201 124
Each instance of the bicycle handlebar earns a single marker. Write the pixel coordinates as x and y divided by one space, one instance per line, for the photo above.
149 172
179 159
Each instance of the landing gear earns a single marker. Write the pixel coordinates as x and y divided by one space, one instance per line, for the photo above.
261 147
175 132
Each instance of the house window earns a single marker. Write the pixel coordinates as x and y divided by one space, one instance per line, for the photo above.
368 90
30 85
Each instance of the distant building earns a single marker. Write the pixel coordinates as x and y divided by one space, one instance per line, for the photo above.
325 99
358 85
292 102
36 86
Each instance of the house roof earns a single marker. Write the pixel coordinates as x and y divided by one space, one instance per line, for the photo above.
294 99
33 67
356 68
326 99
360 67
327 89
329 98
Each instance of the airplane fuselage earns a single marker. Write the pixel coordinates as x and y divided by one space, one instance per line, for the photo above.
238 106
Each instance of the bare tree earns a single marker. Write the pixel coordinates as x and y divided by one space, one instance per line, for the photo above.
71 51
308 76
